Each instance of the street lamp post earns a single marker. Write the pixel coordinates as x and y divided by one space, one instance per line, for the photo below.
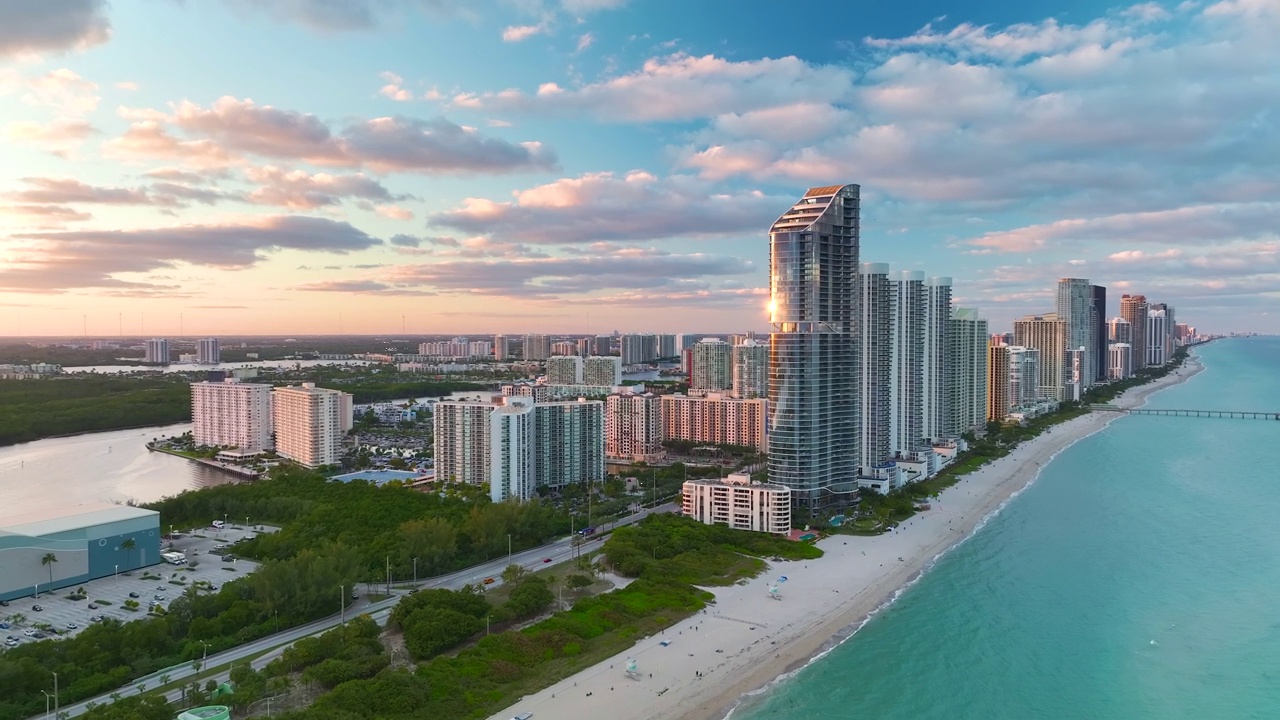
486 624
342 600
508 548
47 698
117 572
415 571
55 694
205 658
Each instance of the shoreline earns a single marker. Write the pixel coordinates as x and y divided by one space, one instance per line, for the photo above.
730 640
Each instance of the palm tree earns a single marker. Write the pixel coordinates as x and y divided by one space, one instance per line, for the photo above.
49 559
128 546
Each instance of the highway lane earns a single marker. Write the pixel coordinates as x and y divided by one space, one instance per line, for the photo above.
532 559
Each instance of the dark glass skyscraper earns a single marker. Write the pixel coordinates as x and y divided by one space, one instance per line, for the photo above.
813 375
1100 339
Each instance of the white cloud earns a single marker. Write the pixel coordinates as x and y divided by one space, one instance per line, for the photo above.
517 33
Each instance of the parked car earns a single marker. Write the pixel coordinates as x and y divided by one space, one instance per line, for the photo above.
11 642
159 597
72 626
92 606
228 558
39 636
4 603
134 595
29 632
4 626
523 716
38 608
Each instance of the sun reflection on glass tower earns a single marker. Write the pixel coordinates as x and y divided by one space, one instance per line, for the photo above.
813 377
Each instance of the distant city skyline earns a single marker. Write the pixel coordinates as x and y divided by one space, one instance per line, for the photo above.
312 168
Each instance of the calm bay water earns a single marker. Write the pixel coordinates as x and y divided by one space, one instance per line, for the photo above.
1135 579
99 467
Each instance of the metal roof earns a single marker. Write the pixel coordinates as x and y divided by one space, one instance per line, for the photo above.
63 519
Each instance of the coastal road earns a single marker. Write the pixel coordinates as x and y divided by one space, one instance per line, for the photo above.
272 645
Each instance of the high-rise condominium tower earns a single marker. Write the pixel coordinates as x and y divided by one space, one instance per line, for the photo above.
157 351
875 323
1100 340
602 370
564 370
1133 308
537 347
999 400
501 350
751 370
231 414
813 368
712 366
1075 298
967 385
937 358
207 352
310 423
906 363
1157 335
1047 334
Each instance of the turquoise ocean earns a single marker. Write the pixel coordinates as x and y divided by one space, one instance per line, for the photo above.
1138 577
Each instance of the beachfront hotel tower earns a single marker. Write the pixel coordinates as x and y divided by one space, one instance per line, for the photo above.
875 323
906 364
1133 310
813 348
936 412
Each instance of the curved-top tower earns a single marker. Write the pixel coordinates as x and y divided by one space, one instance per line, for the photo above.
813 376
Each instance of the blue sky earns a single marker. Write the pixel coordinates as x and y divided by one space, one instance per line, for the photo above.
287 166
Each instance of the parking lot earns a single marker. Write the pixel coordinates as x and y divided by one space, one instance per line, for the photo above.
106 597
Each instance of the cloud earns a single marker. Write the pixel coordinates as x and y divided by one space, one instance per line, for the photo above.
518 33
551 277
43 216
682 87
585 41
34 26
60 137
233 128
393 89
57 261
67 190
342 15
64 91
300 189
1191 225
361 287
127 85
601 206
394 212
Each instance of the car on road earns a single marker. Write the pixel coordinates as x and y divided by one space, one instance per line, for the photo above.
488 581
134 595
546 560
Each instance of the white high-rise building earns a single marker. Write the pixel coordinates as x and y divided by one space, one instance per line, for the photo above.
564 370
207 352
157 351
1157 335
739 503
633 427
231 414
751 370
712 365
937 358
906 362
1074 300
1024 376
968 383
875 367
512 465
462 439
537 347
521 444
605 370
1121 360
310 423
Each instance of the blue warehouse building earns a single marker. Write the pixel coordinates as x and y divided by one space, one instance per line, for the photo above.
69 546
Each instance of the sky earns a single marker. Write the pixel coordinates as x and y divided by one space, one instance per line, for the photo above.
206 167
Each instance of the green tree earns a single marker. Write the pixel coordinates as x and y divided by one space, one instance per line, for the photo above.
433 540
512 573
48 560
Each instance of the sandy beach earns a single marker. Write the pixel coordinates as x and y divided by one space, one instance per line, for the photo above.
747 639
